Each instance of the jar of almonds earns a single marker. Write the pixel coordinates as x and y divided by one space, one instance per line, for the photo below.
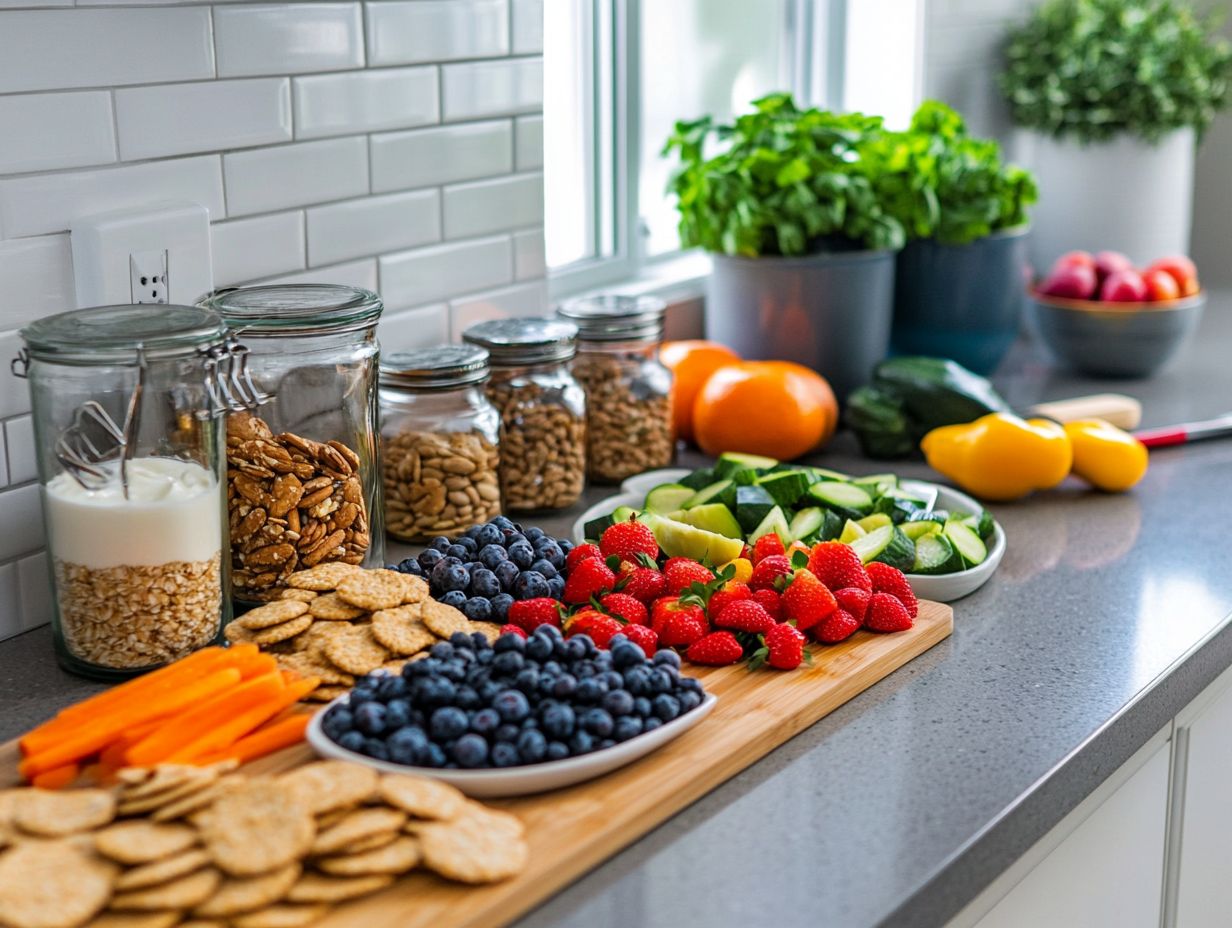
439 440
542 411
628 391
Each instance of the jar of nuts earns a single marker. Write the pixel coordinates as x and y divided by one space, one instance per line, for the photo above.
303 470
628 391
439 438
542 411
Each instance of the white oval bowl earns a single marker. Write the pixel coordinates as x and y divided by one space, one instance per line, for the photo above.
492 783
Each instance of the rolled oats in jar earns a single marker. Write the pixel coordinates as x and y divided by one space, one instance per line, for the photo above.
542 410
628 390
439 442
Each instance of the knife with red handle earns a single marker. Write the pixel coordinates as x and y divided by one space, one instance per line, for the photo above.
1219 427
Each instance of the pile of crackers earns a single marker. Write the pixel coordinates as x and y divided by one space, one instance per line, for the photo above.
250 852
336 622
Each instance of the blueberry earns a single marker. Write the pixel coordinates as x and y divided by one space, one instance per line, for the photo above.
637 681
512 705
406 745
507 573
597 721
530 584
527 680
667 656
454 670
552 552
500 607
467 698
613 680
467 544
642 707
351 740
433 756
472 566
472 531
492 556
532 746
410 566
534 533
455 598
517 537
337 720
558 721
565 545
551 632
447 723
509 642
397 714
666 707
370 718
421 668
626 727
579 647
450 575
545 569
538 648
456 550
565 686
504 523
390 686
488 534
581 742
626 654
470 751
429 559
618 702
485 721
508 662
556 587
483 658
484 583
442 650
552 667
688 700
480 641
691 683
618 638
652 723
506 732
488 690
591 689
557 750
433 691
477 609
661 681
521 554
375 748
440 543
505 754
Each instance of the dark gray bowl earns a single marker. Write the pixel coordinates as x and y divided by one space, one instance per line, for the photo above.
1114 339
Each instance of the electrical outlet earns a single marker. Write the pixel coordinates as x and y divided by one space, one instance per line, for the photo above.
148 276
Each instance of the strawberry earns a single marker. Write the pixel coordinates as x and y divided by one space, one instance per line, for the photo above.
730 592
645 584
771 601
838 626
673 561
513 630
886 614
645 638
854 601
887 579
838 567
807 600
684 573
744 616
581 553
529 614
598 626
768 570
717 648
626 540
767 546
625 607
682 628
667 607
784 647
589 578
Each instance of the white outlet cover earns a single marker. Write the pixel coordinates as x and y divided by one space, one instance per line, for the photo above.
103 244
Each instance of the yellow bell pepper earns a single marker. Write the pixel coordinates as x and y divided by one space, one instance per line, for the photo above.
1106 457
999 456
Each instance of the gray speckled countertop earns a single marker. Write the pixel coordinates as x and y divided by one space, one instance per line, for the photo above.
1108 614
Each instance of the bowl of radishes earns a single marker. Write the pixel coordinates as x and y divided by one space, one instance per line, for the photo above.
1101 315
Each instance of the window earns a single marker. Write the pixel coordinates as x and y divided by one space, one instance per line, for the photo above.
619 73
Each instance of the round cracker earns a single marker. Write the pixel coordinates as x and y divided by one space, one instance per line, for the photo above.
422 797
370 843
182 808
362 823
135 920
321 887
326 785
271 614
52 884
256 828
299 596
489 630
236 896
468 851
357 651
277 633
181 893
399 856
331 607
377 589
322 577
237 633
162 871
327 693
284 915
307 664
160 778
139 842
53 814
402 630
154 801
443 620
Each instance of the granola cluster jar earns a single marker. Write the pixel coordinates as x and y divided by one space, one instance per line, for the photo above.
303 470
128 428
542 411
628 390
439 442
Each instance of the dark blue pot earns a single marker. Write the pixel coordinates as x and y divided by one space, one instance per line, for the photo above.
962 302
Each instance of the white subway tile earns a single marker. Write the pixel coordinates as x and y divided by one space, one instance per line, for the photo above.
36 278
527 27
41 132
34 204
424 157
424 327
288 38
436 30
23 514
529 299
413 278
19 436
373 225
49 49
493 205
529 144
34 584
351 274
14 392
295 175
5 479
365 101
492 88
183 118
12 617
528 254
245 249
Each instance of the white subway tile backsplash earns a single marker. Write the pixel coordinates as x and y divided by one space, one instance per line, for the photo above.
40 132
423 157
184 118
245 249
530 299
492 88
14 394
36 204
529 144
528 254
527 27
288 38
373 225
5 479
34 584
295 175
365 101
352 274
23 513
436 30
424 327
487 206
12 619
413 278
51 49
19 437
36 279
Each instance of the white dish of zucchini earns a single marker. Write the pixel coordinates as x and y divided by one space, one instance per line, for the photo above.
946 543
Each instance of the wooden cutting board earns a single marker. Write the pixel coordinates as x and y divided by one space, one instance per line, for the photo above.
573 830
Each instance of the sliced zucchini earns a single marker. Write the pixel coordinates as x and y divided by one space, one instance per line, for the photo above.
708 494
680 540
876 482
623 513
730 461
806 523
824 473
851 531
774 522
752 504
876 520
832 527
702 477
888 545
785 486
870 545
917 530
935 555
983 524
966 542
846 498
713 517
593 529
666 497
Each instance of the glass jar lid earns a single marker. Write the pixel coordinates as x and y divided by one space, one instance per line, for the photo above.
438 368
295 309
524 341
614 317
112 334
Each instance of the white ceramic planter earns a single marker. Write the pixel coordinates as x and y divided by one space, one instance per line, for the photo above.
1123 195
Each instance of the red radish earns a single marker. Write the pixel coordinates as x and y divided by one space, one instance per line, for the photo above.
1160 285
1124 286
1108 263
1072 258
1076 282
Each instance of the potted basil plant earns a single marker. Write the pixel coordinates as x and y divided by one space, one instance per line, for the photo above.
1112 96
803 249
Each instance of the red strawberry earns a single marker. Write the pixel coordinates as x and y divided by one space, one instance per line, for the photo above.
807 600
625 607
887 614
768 570
767 546
668 607
839 626
854 601
771 601
645 638
513 630
581 553
784 646
529 614
745 616
626 540
683 574
717 648
730 592
645 584
682 628
838 567
673 561
598 626
887 579
588 579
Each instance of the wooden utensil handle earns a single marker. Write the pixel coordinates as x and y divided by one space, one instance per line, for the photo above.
1120 410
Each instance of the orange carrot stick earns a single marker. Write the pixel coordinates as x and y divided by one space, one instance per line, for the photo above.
275 736
57 777
222 736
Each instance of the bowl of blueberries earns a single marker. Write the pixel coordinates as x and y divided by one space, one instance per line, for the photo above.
514 716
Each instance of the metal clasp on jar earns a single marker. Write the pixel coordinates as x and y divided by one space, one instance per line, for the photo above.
228 381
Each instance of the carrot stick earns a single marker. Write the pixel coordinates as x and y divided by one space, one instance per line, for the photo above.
256 665
57 777
273 737
222 736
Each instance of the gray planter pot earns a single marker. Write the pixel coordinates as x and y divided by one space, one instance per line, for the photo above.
961 301
830 312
